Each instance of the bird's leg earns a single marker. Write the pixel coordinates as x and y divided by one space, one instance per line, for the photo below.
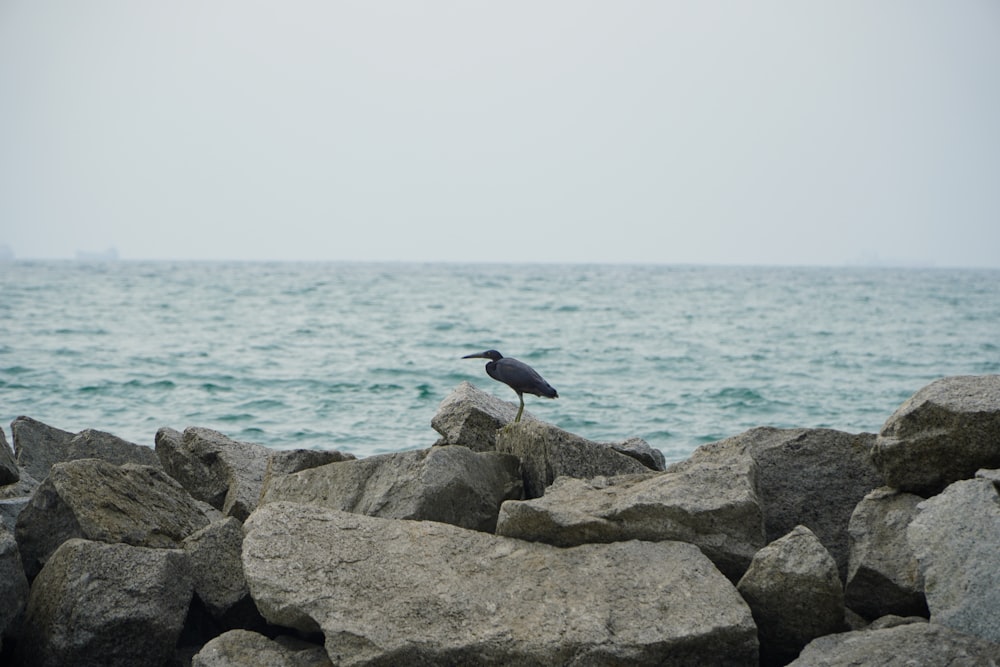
521 409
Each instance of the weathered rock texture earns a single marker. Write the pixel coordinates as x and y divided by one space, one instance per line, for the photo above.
225 473
40 446
94 500
883 577
711 504
943 433
547 452
106 604
8 467
809 477
956 537
240 648
470 417
795 594
13 583
463 597
449 484
215 559
910 645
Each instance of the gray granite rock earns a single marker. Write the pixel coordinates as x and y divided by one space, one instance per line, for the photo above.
547 452
956 538
13 583
38 446
91 499
8 466
419 592
795 594
809 477
106 604
909 645
451 484
241 648
943 433
471 417
712 504
228 474
883 576
215 557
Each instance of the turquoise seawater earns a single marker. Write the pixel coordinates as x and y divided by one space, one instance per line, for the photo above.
357 357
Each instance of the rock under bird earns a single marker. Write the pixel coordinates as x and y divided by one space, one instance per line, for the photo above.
517 375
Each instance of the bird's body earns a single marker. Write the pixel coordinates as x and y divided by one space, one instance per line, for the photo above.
517 375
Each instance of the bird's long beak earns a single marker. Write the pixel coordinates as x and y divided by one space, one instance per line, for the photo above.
477 355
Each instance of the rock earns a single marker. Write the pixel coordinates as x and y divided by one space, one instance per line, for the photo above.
13 583
8 467
38 446
883 576
809 477
641 451
471 417
239 648
711 504
941 434
227 474
106 604
450 484
465 597
214 554
956 538
547 452
794 591
910 645
91 499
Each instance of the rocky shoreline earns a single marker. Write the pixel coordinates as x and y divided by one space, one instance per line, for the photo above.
510 544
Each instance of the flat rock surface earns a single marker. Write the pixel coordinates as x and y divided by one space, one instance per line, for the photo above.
405 592
711 504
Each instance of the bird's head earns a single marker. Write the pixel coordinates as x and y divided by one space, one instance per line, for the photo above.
492 355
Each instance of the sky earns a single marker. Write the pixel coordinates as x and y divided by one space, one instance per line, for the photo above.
828 132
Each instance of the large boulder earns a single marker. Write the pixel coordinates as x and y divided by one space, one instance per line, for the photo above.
909 645
421 592
106 604
451 484
13 583
883 576
809 477
40 446
956 538
225 473
215 557
795 594
239 648
8 466
471 417
712 504
547 452
941 434
94 500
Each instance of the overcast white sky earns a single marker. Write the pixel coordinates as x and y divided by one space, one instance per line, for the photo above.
763 132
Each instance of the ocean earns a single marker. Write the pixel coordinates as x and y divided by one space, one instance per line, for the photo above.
357 357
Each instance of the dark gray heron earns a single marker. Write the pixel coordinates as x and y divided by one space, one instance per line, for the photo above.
517 375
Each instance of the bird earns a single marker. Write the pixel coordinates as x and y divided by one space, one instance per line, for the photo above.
517 375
